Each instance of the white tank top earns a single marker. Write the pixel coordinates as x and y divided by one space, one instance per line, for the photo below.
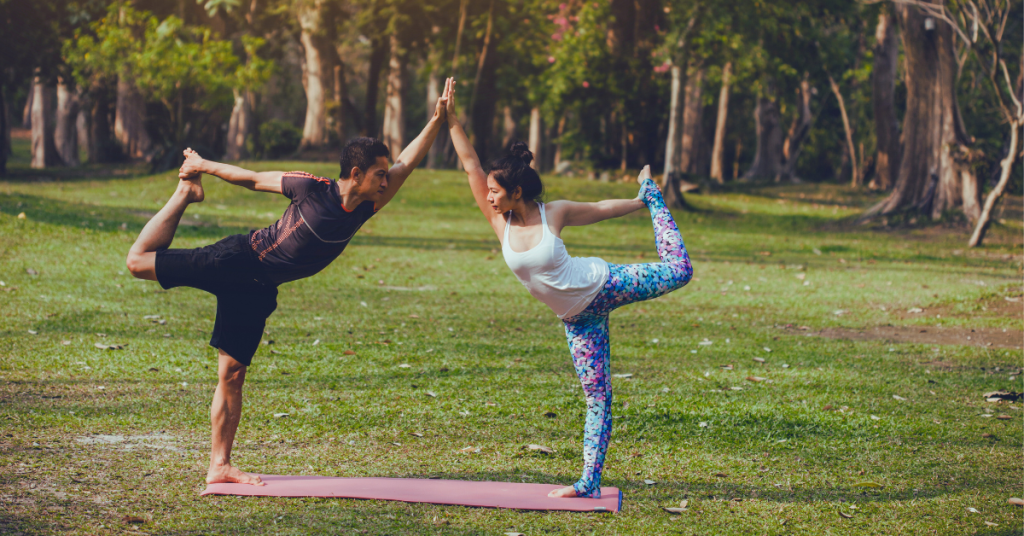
565 284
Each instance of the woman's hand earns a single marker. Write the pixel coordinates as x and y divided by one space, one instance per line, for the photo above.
441 110
450 102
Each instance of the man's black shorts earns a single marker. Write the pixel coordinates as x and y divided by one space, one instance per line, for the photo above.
230 271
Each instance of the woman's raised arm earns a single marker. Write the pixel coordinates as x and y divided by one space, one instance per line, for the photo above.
471 163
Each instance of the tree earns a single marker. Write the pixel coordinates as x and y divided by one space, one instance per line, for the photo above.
314 129
65 129
718 149
883 80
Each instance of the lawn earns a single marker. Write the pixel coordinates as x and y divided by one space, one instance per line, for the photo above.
92 435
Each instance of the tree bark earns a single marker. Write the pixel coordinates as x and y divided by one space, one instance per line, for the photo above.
718 150
129 120
463 8
883 79
929 179
558 142
797 132
66 132
340 97
377 57
82 125
672 138
692 126
483 100
101 146
5 130
851 150
314 129
1006 166
44 153
26 113
535 137
239 127
508 124
768 153
394 101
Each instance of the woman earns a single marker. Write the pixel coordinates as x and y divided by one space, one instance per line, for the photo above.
581 291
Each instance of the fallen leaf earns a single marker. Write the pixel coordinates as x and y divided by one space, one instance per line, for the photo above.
703 424
676 511
736 388
1015 501
21 216
845 515
755 379
349 352
973 510
991 524
759 359
31 332
132 519
649 482
540 448
737 499
876 418
725 367
31 271
915 310
684 503
721 475
766 349
1009 396
405 365
868 484
706 342
623 376
431 394
279 415
470 449
414 316
514 534
828 407
1004 417
898 397
415 434
65 343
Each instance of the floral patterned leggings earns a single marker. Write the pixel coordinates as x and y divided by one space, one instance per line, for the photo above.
587 332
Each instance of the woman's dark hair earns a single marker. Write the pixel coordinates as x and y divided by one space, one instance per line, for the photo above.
361 153
513 171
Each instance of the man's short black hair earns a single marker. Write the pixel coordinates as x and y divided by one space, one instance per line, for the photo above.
361 153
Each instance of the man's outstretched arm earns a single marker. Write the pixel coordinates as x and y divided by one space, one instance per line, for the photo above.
413 154
264 181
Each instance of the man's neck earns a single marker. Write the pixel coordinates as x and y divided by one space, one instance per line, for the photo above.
349 200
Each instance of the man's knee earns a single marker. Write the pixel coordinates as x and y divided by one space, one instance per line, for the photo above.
231 372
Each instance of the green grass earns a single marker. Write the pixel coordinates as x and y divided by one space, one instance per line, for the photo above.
473 336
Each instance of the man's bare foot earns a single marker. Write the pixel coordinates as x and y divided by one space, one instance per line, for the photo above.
229 473
563 492
192 187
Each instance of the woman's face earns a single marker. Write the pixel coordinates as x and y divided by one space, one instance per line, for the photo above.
500 200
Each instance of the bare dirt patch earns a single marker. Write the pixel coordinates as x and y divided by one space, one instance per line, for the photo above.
985 337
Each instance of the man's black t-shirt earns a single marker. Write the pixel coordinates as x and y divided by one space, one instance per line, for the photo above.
313 231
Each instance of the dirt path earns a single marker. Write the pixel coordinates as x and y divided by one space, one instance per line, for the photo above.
986 337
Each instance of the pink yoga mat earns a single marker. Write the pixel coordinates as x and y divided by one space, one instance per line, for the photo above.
454 492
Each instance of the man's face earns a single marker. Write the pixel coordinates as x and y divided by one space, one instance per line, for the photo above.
374 181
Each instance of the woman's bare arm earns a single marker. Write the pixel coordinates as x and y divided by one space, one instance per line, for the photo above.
573 213
471 163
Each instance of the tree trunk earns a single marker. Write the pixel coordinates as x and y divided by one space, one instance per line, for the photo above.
508 124
672 138
463 8
768 153
314 129
535 137
851 150
340 98
482 101
558 142
129 120
797 132
5 130
44 153
718 150
66 132
377 57
394 101
26 113
692 126
101 146
432 95
1006 166
883 79
929 179
624 161
239 127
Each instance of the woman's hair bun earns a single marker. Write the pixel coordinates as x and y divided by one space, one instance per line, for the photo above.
521 151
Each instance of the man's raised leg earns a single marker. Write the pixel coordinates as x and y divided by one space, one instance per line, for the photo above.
159 232
225 413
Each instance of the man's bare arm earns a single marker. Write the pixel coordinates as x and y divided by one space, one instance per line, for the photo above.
265 181
413 154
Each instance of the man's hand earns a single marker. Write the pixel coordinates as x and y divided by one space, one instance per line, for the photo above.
440 111
193 165
449 109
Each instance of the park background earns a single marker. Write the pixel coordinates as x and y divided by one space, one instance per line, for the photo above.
846 175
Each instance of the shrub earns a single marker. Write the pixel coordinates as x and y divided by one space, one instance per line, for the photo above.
278 139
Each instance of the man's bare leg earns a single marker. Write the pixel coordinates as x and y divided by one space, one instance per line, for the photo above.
225 413
159 232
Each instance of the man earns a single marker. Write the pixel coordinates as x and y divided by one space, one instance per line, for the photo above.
244 271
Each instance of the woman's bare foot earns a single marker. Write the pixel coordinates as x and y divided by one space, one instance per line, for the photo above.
563 492
229 473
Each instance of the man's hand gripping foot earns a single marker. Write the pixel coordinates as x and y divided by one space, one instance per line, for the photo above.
229 473
191 177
